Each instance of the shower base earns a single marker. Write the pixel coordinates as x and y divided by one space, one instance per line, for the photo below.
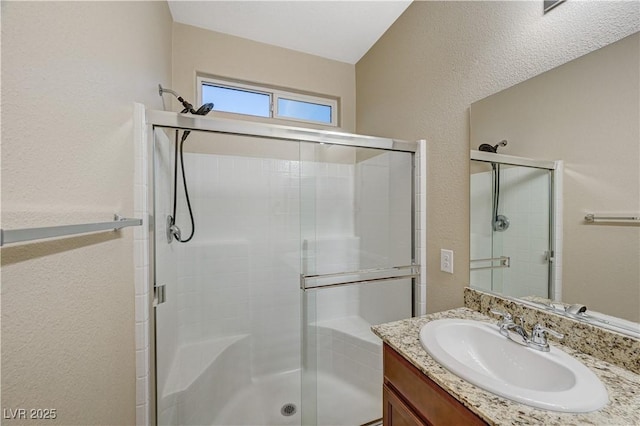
209 382
260 402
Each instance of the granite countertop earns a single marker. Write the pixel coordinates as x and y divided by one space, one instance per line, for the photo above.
623 386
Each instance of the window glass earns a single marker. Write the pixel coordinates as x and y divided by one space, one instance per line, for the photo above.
237 101
304 110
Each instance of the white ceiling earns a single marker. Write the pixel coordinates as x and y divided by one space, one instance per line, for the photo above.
340 30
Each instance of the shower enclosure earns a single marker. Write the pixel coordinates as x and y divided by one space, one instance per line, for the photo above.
512 225
303 240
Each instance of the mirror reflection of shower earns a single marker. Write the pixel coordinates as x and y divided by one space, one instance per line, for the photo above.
518 262
499 222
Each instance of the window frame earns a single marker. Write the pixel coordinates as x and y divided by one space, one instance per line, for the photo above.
274 95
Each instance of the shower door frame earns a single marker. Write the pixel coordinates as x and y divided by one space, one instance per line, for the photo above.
173 120
556 169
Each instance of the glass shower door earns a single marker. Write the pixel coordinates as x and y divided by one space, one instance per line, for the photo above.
356 271
228 335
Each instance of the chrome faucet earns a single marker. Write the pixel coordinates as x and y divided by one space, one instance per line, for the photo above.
538 338
519 329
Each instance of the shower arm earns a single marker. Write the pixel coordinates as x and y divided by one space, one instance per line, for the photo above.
187 106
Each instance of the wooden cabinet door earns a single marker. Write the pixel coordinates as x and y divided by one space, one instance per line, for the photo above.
422 397
395 412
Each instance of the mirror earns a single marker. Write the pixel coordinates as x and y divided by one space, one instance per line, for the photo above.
585 113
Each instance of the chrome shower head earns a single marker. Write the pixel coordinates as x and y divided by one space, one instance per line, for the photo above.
487 148
204 109
492 148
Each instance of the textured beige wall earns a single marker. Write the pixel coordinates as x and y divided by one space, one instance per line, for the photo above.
71 72
420 78
585 112
198 50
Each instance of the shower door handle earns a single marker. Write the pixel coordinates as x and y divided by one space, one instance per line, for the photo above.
159 295
548 256
364 276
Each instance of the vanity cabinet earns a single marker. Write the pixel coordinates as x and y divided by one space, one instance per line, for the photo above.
412 399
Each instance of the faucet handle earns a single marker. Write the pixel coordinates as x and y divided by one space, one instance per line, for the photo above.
505 315
539 339
539 329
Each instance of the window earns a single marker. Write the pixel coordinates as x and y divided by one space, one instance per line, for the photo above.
237 98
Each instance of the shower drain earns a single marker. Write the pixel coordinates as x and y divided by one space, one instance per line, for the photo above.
288 409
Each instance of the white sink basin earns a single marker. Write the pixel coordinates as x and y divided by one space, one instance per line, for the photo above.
477 352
